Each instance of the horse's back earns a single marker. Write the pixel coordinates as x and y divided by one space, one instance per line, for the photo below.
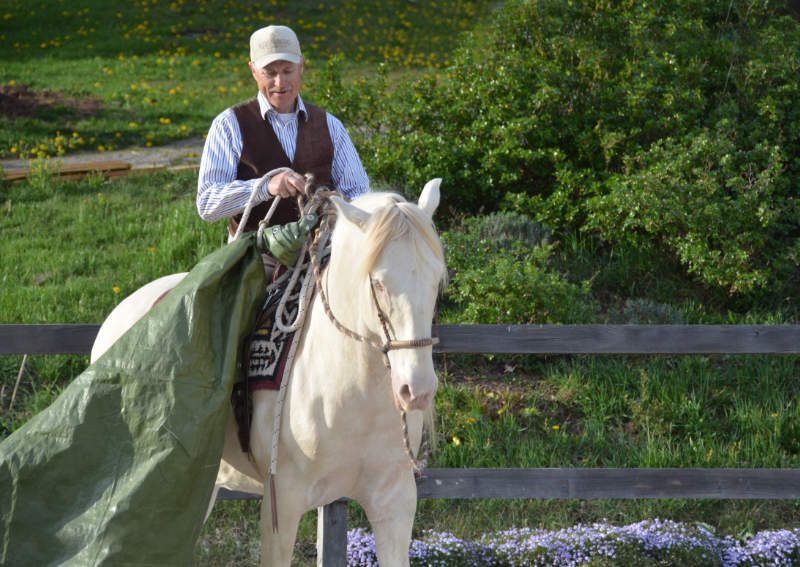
130 310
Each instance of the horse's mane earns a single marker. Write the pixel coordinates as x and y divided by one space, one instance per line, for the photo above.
393 217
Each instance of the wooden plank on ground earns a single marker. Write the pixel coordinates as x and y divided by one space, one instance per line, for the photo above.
620 339
611 483
47 339
108 168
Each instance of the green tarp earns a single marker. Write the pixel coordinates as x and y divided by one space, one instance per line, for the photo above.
119 470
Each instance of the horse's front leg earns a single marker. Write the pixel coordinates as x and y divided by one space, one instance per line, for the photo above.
390 509
277 546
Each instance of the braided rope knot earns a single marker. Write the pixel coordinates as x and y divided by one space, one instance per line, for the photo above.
413 343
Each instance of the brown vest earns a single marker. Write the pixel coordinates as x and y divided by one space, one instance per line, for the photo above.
262 152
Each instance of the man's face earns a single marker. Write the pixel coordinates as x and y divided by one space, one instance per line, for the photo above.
279 82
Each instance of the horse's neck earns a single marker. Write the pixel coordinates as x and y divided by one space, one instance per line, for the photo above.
332 362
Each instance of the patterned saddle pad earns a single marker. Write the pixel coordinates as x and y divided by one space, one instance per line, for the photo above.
265 357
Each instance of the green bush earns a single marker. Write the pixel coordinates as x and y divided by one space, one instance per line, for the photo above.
720 210
673 123
501 275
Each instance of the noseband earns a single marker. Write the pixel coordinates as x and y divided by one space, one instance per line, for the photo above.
390 343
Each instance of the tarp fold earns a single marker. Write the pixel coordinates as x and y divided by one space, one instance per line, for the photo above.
119 469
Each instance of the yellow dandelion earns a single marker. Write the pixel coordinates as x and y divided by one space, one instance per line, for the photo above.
456 440
556 427
116 289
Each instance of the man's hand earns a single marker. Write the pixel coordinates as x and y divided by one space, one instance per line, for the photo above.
287 184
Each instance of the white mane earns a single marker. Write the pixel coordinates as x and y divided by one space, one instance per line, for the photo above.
392 217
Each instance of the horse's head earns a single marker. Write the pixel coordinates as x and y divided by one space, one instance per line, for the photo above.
389 251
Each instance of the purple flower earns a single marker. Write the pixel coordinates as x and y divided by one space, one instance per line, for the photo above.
661 542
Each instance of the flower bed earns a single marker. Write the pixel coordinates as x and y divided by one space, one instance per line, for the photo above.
652 542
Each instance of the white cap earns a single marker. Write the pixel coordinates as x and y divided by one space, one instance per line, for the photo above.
274 43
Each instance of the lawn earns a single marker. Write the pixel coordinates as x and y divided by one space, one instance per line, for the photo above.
148 72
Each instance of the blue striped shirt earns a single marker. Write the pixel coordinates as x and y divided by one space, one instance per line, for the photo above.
221 195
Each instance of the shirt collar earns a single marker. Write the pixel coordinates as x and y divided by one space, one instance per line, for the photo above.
265 107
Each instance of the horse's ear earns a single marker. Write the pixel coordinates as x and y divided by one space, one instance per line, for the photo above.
352 213
429 199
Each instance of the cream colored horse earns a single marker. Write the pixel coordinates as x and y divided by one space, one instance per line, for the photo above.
340 432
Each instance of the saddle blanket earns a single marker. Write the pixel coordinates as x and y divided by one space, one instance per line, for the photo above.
265 356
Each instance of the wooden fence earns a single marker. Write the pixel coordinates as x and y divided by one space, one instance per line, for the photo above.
549 483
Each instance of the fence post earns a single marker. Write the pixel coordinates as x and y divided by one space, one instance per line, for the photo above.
332 534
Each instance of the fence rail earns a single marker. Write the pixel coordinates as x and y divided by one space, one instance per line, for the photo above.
500 339
549 483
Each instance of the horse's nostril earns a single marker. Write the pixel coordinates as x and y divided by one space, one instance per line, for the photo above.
405 393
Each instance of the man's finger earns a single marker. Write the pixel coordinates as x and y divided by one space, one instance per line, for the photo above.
299 183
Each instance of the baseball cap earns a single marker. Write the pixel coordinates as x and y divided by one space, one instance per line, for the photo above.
274 43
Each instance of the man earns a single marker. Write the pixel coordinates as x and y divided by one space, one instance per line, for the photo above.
275 129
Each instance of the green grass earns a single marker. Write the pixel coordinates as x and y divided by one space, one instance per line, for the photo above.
72 250
161 71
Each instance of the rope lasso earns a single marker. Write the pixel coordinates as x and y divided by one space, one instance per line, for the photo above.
251 202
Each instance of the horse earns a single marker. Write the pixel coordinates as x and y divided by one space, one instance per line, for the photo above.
339 431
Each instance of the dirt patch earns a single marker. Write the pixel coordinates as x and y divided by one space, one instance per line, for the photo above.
19 101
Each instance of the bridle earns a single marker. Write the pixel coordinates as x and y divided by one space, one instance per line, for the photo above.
389 343
385 347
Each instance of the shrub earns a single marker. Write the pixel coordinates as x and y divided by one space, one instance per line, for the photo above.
645 312
720 210
673 123
501 274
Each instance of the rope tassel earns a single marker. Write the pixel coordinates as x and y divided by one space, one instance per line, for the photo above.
273 503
